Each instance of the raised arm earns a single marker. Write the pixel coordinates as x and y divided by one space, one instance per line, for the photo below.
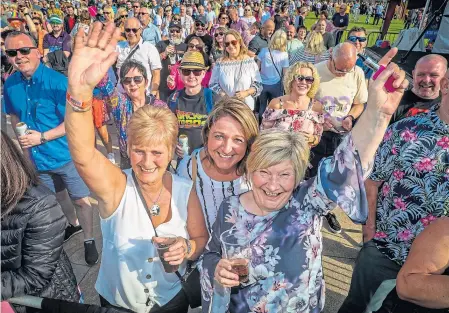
93 55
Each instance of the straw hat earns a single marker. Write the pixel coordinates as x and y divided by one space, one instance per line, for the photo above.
193 60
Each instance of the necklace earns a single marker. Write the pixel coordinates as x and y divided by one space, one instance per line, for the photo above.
155 208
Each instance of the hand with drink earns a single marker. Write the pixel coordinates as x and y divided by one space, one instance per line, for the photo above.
172 251
30 139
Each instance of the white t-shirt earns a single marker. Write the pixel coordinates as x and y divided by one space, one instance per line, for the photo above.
337 94
241 11
268 72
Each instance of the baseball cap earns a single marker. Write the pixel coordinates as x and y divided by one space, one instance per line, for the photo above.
175 24
202 19
55 19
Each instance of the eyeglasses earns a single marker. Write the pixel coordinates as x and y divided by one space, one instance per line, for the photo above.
167 11
134 30
218 34
338 71
37 23
23 51
177 31
106 12
307 79
198 24
123 16
175 19
136 79
224 18
186 72
232 42
247 10
142 13
355 38
195 47
136 6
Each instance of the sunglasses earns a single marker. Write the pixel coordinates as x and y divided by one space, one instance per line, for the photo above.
176 19
355 38
142 13
199 24
37 24
134 30
218 34
196 47
167 11
177 31
136 6
224 18
338 71
232 42
123 16
137 80
106 12
247 10
307 79
23 51
187 72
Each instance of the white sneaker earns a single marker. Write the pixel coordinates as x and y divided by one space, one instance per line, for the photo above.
111 157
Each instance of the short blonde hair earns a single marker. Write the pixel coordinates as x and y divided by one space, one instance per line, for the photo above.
279 41
293 70
109 8
239 111
238 37
151 125
314 43
274 146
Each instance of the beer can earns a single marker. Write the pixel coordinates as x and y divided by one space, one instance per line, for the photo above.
21 128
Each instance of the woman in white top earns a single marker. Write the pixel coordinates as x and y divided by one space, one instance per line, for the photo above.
218 168
141 205
273 63
158 17
248 16
236 74
313 51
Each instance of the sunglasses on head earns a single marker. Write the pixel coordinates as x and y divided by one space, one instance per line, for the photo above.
196 47
134 30
218 34
307 79
232 42
137 80
23 51
355 38
186 72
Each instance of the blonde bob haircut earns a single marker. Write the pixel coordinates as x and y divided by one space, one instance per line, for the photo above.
314 43
238 37
151 125
279 41
239 111
291 73
274 146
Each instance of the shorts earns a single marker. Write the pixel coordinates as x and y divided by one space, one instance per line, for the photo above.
100 112
65 177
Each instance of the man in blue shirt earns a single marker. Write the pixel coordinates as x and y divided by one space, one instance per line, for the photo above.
151 32
357 35
35 95
378 13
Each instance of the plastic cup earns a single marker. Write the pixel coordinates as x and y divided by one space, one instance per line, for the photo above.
163 247
238 251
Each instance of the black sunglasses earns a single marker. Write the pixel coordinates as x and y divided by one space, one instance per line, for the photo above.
198 24
137 80
307 79
143 13
187 72
176 30
123 16
37 23
355 38
134 30
218 34
23 51
196 47
136 6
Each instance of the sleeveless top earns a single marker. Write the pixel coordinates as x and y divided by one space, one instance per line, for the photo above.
131 273
304 121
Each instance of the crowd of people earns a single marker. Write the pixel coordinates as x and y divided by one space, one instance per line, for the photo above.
231 117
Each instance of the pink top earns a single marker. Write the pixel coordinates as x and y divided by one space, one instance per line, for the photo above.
177 78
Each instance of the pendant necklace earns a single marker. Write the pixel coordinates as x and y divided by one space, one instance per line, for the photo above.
155 208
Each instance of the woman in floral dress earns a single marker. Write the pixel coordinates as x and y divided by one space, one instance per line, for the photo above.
297 111
282 217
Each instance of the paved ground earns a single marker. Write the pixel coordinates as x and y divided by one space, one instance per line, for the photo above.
339 254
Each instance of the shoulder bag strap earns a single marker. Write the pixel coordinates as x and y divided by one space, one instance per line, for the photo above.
269 50
132 53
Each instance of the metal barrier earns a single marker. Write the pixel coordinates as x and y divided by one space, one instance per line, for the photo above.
341 36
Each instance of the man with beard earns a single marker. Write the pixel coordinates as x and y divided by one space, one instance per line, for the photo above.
171 51
58 39
201 32
428 72
261 39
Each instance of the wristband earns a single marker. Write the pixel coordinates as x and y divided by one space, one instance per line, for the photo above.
78 106
352 118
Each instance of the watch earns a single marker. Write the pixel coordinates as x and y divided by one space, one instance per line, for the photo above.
189 247
43 140
352 118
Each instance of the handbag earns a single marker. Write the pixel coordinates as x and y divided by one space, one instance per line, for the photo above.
279 73
190 282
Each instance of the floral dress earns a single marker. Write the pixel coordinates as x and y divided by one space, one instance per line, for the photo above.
304 121
285 272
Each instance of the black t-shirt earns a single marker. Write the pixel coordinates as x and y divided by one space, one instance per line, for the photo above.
166 65
192 114
324 7
340 21
278 21
207 39
411 105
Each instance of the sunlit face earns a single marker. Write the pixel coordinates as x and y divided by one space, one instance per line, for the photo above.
268 30
70 11
360 46
273 186
134 89
132 25
302 86
291 32
56 27
321 26
149 162
192 77
232 45
201 10
26 64
226 143
426 78
302 33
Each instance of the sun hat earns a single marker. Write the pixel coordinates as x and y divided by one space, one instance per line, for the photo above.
193 60
55 19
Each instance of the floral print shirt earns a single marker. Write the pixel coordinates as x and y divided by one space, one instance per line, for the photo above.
285 267
413 164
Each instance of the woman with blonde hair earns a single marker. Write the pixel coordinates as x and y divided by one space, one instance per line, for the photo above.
313 51
298 110
248 16
218 169
139 207
236 74
109 14
273 63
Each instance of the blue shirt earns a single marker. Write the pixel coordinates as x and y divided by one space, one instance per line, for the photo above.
40 103
366 70
152 34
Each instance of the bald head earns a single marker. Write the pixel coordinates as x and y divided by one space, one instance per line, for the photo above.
428 72
344 56
268 29
132 22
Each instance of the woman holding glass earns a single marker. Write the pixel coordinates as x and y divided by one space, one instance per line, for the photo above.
280 219
298 111
236 74
139 207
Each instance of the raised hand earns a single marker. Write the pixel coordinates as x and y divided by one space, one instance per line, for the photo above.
387 102
93 55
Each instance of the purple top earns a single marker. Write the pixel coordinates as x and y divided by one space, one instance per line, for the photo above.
243 29
63 42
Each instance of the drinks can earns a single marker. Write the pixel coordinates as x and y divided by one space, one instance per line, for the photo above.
184 142
21 128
